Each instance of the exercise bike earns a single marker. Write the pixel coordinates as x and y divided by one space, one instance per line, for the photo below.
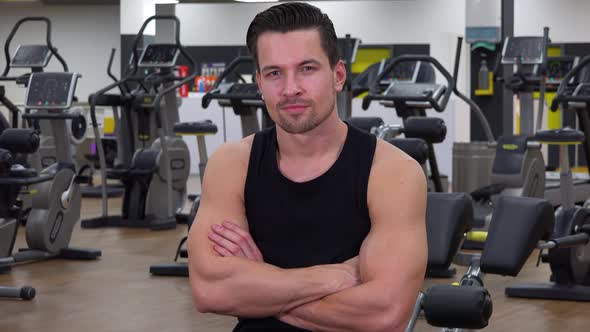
568 255
56 199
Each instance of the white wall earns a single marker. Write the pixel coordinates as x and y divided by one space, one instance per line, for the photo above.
84 36
567 19
134 13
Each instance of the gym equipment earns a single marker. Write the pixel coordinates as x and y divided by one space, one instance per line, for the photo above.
420 135
159 169
35 58
568 250
9 227
198 129
412 99
468 305
26 293
243 97
517 167
112 190
573 94
348 48
56 200
383 75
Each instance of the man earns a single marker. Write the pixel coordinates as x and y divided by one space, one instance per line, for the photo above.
313 225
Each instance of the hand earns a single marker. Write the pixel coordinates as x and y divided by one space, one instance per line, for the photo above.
230 240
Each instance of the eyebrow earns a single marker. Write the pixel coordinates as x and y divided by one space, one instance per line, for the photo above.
303 63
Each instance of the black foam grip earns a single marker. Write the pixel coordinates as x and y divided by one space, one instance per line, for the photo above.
146 159
448 217
518 223
415 147
5 161
365 123
432 130
18 140
196 128
467 307
112 100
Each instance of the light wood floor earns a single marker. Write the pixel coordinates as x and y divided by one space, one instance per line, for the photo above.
117 293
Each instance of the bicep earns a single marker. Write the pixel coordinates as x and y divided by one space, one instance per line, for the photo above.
221 200
394 253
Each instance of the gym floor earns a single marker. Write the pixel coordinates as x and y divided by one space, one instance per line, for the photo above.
117 292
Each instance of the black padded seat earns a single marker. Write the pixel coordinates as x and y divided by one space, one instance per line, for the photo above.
206 127
567 136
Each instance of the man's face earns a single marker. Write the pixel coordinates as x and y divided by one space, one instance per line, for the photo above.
296 80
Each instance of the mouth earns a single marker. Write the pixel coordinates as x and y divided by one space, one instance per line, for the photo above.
294 108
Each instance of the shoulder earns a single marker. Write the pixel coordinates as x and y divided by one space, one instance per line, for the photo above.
391 161
228 165
232 154
395 175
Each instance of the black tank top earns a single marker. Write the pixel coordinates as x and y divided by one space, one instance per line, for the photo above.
301 224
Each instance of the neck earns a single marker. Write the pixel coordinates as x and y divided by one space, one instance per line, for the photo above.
328 136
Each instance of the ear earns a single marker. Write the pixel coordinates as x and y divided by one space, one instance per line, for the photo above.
258 80
339 75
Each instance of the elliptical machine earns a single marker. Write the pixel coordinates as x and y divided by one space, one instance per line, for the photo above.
157 169
198 129
56 199
35 58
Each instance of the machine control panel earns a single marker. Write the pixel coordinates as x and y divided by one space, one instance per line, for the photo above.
528 49
51 90
159 55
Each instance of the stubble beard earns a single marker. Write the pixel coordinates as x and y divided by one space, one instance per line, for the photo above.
303 123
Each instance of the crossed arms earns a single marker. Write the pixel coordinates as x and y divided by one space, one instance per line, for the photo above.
373 292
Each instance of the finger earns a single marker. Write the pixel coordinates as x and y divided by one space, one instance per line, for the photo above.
225 243
247 237
222 251
236 238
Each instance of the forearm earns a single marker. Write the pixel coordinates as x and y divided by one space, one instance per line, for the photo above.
240 287
349 310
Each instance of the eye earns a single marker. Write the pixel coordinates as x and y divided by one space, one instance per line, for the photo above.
308 68
273 73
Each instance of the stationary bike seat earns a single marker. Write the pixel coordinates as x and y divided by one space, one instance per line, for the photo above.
560 136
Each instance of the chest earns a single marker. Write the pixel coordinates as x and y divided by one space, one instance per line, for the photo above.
303 228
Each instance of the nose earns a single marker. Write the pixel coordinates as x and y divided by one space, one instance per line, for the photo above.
292 87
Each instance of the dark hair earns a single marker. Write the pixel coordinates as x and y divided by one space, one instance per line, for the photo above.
292 16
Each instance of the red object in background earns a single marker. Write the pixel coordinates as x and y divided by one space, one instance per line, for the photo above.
183 90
